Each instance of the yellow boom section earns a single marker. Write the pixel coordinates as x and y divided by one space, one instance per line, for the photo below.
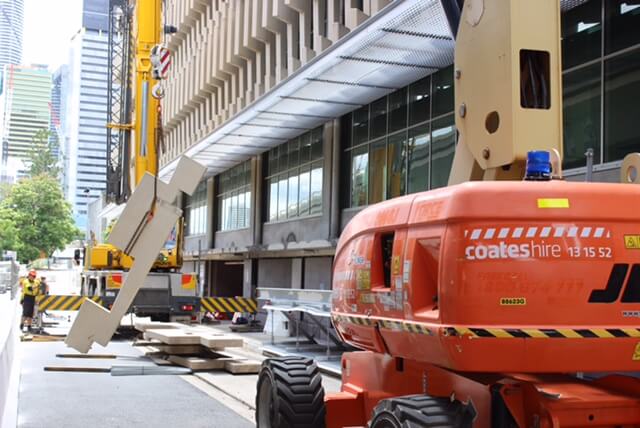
147 31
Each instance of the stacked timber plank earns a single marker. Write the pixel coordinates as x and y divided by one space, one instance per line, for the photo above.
198 348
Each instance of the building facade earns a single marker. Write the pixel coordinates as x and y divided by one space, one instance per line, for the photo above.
59 137
11 29
307 112
27 110
86 111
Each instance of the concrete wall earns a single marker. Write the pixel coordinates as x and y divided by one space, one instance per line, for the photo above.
317 273
191 243
274 273
236 239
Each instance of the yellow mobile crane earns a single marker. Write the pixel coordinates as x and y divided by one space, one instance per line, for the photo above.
137 63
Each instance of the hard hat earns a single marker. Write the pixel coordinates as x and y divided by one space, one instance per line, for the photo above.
32 272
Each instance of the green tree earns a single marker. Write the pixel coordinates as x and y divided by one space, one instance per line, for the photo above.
41 216
8 230
42 156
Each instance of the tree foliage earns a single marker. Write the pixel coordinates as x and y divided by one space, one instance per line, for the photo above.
42 218
8 230
42 156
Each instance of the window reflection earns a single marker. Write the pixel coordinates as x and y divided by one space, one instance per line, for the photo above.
234 198
297 189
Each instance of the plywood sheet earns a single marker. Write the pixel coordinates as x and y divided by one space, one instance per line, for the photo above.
214 341
173 336
242 367
199 363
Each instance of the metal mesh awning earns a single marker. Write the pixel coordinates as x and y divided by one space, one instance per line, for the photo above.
404 42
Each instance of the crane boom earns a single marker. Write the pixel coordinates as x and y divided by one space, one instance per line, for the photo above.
147 28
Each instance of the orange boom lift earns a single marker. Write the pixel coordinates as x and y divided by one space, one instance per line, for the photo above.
497 301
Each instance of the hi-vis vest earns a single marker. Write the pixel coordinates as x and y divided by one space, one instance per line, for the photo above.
30 288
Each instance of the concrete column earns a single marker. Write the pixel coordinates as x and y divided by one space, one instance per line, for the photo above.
249 278
297 273
212 219
336 152
257 198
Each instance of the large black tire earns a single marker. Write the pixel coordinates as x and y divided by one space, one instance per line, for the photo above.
421 411
290 394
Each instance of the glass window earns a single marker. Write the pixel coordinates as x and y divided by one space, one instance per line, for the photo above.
195 212
419 101
359 176
284 158
282 197
361 126
305 148
443 137
378 118
397 110
305 177
581 34
234 197
293 194
397 164
273 162
622 24
621 97
581 115
273 199
419 142
316 188
297 189
378 161
443 98
316 143
294 154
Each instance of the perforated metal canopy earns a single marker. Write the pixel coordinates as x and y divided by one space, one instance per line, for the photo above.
406 41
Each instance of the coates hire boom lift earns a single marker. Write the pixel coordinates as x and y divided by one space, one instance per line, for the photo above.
137 62
509 301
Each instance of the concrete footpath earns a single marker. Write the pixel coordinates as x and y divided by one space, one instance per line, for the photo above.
9 364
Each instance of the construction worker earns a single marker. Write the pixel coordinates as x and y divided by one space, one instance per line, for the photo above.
30 289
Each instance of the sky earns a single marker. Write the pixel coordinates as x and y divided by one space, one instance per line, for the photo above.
48 28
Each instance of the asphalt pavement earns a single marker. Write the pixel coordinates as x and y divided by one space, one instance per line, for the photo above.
97 400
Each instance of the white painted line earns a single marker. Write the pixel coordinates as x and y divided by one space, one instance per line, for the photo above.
546 231
517 232
573 232
586 232
504 232
531 232
558 232
476 234
599 232
489 233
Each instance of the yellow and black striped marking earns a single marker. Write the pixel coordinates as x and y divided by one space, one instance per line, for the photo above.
544 333
228 305
408 326
64 303
499 333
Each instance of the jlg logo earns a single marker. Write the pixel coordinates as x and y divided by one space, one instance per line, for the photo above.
611 293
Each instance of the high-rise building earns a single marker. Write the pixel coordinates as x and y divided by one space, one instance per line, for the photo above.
26 99
86 111
58 135
11 27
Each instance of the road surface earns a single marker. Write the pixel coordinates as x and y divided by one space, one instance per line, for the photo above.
99 400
